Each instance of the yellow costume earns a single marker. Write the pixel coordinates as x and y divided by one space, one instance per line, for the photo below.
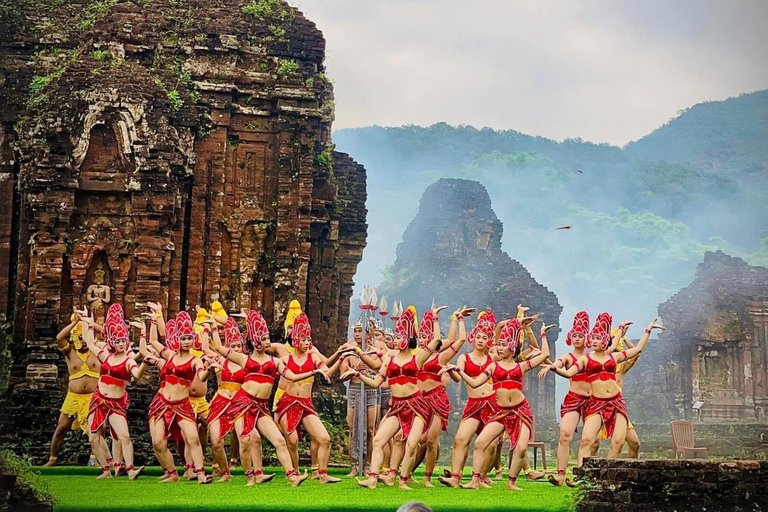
76 404
629 365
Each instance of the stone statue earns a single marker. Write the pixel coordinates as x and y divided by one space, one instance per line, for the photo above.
98 295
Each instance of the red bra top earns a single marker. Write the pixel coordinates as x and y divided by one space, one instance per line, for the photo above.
581 376
228 376
473 369
429 370
263 373
117 375
508 379
600 371
182 374
405 374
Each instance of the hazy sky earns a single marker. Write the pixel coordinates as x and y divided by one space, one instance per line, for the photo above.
604 70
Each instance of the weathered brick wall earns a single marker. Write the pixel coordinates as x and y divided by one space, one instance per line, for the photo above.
185 146
714 349
652 485
451 252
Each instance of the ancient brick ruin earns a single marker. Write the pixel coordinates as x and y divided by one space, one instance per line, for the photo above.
451 252
180 151
715 349
616 485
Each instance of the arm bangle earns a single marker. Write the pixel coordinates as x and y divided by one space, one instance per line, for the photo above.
455 350
648 331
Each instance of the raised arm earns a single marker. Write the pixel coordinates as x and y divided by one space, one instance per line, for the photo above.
62 339
157 311
455 346
634 352
423 355
537 360
202 368
621 331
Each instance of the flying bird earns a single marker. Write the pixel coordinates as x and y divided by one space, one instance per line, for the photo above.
564 227
579 171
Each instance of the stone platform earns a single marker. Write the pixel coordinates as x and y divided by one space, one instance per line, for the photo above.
621 485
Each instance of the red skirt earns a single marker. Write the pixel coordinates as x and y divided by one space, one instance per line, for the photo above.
513 419
246 406
607 408
575 402
407 409
440 404
102 407
296 409
172 414
219 410
156 406
481 409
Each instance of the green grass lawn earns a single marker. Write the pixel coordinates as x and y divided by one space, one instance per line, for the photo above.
78 490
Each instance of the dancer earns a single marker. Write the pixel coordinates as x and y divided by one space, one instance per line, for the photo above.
633 441
409 412
151 356
295 407
83 367
109 403
174 416
607 411
481 403
514 414
249 408
231 378
432 384
575 404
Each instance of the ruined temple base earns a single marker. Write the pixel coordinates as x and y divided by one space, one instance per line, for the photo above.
620 485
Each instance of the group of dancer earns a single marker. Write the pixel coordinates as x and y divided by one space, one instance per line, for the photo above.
404 372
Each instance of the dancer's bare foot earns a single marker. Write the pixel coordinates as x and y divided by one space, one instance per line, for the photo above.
486 482
120 470
512 487
297 480
404 484
251 481
389 478
353 473
170 479
315 474
189 474
428 484
472 484
370 483
204 479
264 478
535 475
571 483
216 471
557 481
133 475
232 464
325 478
104 475
226 477
499 475
449 481
50 463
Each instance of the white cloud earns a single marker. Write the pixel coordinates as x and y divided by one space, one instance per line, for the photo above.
604 70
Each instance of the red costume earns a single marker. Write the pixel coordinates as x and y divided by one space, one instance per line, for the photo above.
436 398
176 411
247 406
118 375
406 409
609 407
480 409
294 407
220 405
156 406
515 416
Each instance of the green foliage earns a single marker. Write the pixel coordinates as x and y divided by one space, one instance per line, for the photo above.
93 12
6 357
278 32
287 67
261 8
39 101
309 82
26 475
175 99
99 55
325 158
233 141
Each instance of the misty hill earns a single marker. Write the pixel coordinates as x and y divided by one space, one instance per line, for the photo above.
640 222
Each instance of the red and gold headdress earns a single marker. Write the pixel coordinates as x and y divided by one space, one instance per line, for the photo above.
510 334
427 325
256 328
301 329
407 324
231 332
185 327
171 336
486 323
602 328
580 325
114 326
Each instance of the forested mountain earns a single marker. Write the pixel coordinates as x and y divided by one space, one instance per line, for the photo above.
641 216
